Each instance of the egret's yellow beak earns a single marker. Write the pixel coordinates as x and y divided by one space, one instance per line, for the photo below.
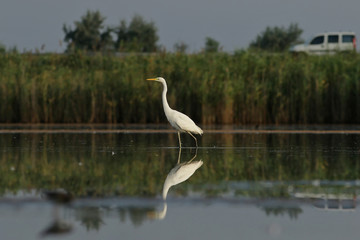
151 79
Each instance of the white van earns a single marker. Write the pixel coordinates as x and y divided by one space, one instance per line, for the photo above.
327 43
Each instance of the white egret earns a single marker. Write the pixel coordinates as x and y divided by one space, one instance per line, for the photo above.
159 215
178 174
178 120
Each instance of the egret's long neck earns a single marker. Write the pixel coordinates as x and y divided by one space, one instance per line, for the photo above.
164 100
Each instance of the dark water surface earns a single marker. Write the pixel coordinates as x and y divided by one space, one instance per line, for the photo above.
96 183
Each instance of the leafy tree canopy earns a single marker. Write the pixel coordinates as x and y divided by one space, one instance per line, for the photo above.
89 33
138 36
277 38
180 47
211 45
2 48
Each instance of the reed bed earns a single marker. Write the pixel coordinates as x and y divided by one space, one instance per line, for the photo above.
220 88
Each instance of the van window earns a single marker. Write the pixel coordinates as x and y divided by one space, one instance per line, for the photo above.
333 38
317 40
348 38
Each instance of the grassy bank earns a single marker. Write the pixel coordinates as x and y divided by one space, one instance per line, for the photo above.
244 88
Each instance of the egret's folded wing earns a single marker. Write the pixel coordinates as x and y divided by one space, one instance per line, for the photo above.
186 124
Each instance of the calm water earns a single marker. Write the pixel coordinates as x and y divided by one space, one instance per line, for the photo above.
138 185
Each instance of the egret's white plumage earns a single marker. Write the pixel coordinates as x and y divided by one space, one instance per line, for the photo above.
178 120
159 215
178 174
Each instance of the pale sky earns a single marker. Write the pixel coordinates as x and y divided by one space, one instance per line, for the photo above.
29 24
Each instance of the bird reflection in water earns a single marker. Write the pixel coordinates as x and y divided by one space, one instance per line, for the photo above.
58 226
178 174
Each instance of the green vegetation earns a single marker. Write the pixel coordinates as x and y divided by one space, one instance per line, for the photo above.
87 34
138 36
218 88
277 38
211 45
180 47
141 36
90 34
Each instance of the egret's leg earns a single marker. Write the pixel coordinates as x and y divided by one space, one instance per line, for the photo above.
193 156
179 157
179 140
194 138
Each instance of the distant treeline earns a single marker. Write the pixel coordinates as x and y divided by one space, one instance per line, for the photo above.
218 88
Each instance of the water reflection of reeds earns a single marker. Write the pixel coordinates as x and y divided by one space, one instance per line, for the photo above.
137 164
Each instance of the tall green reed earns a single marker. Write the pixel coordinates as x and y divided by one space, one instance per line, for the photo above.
221 88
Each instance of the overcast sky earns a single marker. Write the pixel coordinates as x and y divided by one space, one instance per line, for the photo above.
28 24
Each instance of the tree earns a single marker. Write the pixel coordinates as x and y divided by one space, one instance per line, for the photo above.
2 48
180 47
138 36
87 34
211 45
277 38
